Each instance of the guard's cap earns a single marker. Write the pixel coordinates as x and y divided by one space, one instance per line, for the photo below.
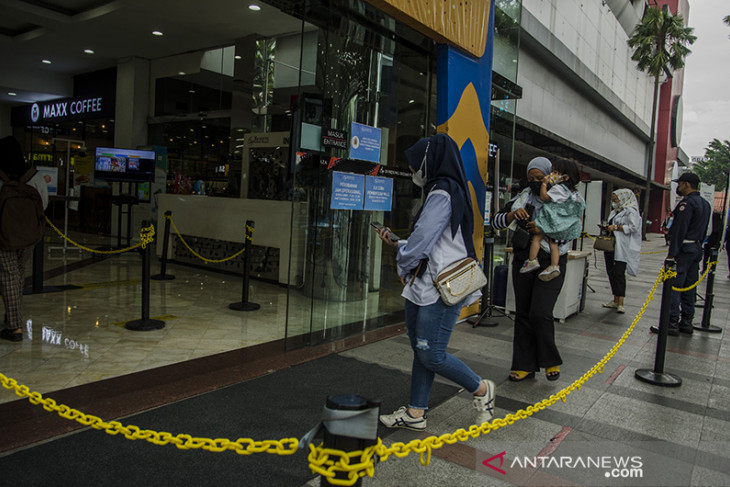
690 177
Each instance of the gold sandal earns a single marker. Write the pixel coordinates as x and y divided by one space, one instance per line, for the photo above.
520 375
552 373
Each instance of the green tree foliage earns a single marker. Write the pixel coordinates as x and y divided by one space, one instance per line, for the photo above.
660 43
716 166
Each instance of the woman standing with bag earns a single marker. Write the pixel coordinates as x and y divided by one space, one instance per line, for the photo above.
624 223
533 345
442 235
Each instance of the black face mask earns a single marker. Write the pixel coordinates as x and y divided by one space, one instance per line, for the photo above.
679 193
535 186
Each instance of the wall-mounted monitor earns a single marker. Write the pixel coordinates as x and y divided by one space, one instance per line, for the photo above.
114 164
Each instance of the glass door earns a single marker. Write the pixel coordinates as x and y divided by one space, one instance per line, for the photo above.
346 281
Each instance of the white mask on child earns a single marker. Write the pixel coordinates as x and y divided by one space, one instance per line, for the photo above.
615 205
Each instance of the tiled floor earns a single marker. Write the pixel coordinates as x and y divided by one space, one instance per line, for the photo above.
76 337
680 435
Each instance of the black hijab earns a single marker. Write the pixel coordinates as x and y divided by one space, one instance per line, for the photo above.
12 161
444 170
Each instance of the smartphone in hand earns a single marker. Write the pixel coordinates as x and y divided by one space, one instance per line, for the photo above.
379 226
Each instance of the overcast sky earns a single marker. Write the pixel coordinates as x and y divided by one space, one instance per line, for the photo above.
706 95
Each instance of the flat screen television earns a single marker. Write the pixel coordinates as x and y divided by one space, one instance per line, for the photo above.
134 166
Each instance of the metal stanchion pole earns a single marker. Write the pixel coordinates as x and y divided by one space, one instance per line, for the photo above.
37 286
145 324
350 424
165 244
244 305
657 376
709 297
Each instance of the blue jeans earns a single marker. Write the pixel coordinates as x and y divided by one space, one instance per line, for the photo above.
429 329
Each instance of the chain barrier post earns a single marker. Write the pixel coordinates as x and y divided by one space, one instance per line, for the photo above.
145 324
244 305
709 297
350 424
37 286
165 244
657 376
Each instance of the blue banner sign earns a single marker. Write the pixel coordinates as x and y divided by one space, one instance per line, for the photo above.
347 191
378 193
365 143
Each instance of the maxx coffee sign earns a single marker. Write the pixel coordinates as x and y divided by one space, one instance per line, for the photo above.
64 110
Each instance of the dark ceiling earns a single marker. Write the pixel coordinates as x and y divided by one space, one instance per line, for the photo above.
60 31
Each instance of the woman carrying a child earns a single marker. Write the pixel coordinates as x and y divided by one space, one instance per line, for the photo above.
533 346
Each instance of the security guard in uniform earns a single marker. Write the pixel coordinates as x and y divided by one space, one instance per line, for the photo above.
688 231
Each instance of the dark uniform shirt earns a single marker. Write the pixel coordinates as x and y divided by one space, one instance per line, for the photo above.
691 216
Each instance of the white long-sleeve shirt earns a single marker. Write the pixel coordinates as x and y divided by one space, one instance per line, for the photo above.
628 240
431 238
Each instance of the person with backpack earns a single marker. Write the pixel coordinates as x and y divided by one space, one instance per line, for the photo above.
23 199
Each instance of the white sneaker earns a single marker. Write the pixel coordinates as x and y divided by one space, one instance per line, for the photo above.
550 273
529 266
401 419
485 404
620 308
610 304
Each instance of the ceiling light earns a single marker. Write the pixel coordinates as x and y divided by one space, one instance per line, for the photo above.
191 91
411 101
181 73
237 56
254 7
46 61
89 51
12 94
157 33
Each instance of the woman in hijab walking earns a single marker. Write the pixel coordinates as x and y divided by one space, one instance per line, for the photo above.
624 222
442 234
533 345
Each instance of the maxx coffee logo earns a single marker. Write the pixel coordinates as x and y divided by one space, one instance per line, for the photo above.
612 466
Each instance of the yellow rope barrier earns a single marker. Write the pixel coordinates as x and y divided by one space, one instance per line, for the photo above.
322 461
327 462
174 227
146 235
707 271
242 446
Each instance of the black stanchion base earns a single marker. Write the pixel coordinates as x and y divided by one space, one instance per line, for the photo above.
482 322
162 277
651 377
709 329
50 289
144 325
244 306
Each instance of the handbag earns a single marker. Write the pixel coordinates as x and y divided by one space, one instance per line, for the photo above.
459 280
520 238
606 243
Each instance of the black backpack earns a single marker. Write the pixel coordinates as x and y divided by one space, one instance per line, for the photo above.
21 213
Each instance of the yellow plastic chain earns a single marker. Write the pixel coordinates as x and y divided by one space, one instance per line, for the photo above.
174 227
327 462
143 243
322 461
683 289
242 446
